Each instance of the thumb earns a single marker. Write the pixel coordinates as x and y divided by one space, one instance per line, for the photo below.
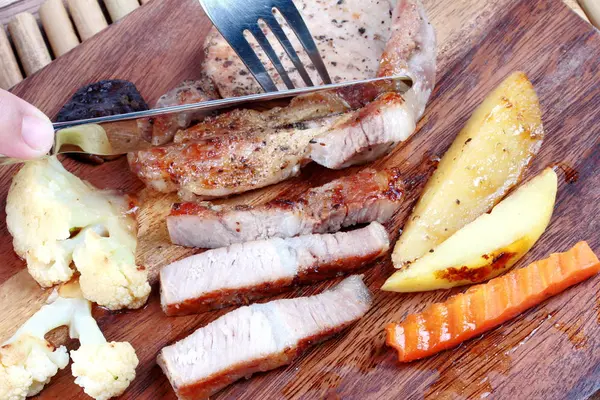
25 132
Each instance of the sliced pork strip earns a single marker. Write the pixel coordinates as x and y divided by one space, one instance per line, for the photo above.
412 51
247 271
366 196
365 135
351 36
356 36
160 130
378 127
259 337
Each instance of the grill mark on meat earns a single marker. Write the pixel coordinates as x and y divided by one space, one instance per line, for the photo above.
198 283
364 197
259 338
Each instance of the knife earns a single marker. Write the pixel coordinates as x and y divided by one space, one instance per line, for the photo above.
119 134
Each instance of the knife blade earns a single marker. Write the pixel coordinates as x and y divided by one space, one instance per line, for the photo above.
119 134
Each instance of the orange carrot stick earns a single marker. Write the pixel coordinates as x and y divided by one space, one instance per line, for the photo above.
482 307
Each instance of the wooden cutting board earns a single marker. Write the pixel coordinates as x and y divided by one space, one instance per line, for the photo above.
548 352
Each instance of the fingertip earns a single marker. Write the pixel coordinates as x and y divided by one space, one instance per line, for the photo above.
38 134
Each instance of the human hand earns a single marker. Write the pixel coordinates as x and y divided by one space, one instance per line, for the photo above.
25 132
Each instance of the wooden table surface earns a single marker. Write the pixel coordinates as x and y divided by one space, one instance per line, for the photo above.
547 352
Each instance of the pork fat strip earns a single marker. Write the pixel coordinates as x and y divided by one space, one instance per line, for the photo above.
247 271
366 196
259 338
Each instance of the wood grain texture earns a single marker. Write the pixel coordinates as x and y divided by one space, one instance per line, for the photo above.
547 352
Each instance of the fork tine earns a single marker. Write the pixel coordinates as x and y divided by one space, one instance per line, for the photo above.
289 49
243 49
268 49
295 21
230 22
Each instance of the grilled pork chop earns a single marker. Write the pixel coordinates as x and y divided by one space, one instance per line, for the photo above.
161 130
259 337
197 167
351 36
222 165
302 108
360 198
244 272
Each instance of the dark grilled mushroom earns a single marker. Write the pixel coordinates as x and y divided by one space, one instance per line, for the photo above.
100 99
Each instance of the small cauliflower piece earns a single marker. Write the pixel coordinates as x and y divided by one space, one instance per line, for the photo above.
27 360
29 363
102 369
59 222
109 275
15 382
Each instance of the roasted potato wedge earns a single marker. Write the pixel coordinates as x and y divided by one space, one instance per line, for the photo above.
487 246
484 162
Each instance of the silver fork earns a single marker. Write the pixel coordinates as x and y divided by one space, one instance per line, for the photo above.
233 17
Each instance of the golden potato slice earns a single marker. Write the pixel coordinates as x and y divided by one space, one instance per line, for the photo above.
487 246
484 162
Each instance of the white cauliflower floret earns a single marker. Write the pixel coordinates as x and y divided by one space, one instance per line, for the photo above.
27 360
102 369
52 214
15 382
30 363
109 275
